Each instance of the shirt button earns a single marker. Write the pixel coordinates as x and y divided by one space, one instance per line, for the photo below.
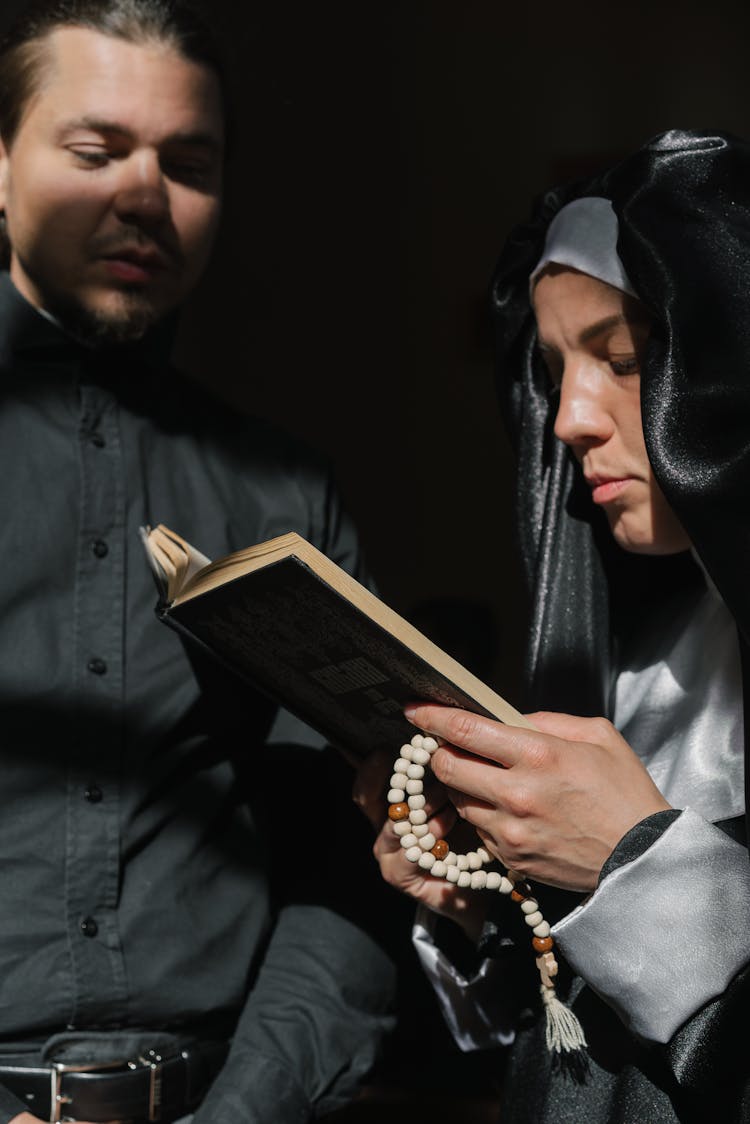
100 548
97 667
98 440
89 927
94 794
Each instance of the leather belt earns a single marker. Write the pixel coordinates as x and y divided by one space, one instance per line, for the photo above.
150 1088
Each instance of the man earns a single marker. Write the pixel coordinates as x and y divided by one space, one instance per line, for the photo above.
148 963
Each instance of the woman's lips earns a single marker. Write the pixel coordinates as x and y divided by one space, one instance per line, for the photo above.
605 490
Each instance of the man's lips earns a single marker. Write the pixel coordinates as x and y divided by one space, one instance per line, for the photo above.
604 489
132 264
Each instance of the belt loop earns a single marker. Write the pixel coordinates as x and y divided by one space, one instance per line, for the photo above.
57 1100
154 1063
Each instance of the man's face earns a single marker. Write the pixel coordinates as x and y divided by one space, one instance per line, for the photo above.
112 185
592 337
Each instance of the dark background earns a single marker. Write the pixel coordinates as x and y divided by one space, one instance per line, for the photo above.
384 152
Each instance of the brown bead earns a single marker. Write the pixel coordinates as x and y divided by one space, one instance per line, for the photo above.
543 944
441 849
398 812
516 897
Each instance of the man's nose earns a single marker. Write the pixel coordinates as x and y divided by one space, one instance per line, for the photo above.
142 196
582 416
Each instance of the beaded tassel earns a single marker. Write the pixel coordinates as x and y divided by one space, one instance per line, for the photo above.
564 1032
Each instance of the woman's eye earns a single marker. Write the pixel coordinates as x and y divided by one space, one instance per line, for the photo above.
629 366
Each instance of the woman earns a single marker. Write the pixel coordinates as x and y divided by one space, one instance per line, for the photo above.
624 361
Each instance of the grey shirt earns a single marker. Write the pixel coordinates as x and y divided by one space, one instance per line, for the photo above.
136 792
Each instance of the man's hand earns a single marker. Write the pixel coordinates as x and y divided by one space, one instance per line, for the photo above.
550 803
370 786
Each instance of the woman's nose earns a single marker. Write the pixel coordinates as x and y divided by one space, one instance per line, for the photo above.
582 416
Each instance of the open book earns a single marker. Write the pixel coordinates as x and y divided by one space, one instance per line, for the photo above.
290 621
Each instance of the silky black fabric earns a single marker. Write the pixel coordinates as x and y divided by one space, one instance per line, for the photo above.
159 880
683 205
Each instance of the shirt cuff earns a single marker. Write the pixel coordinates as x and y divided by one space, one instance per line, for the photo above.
667 932
472 1007
639 839
266 1093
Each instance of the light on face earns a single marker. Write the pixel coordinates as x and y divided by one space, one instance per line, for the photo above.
592 337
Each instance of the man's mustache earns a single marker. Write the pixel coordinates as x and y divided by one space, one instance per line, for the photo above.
131 239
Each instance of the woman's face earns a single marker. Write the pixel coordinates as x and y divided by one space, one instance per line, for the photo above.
592 338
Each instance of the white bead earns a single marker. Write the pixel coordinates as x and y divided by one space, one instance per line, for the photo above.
403 827
542 929
505 886
400 765
451 858
416 802
464 880
427 860
428 841
409 840
397 780
416 772
439 870
414 787
530 905
452 874
396 795
485 856
429 744
405 753
479 880
493 880
414 854
420 828
462 862
417 741
474 860
534 919
420 757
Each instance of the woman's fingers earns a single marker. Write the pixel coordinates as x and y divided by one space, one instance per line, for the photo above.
486 737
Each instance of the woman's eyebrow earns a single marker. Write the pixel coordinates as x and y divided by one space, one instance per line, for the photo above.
609 322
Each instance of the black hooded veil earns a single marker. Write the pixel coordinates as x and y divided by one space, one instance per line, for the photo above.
683 208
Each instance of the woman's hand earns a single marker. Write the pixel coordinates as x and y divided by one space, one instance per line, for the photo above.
550 803
467 909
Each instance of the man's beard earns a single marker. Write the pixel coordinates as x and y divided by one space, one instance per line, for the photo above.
99 328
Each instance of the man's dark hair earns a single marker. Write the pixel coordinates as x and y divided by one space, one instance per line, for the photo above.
175 23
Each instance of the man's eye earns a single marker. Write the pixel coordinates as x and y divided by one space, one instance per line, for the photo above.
188 171
629 366
91 157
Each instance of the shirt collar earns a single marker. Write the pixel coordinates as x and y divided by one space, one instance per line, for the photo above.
25 332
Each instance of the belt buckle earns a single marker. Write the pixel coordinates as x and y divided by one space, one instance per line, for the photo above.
58 1071
153 1062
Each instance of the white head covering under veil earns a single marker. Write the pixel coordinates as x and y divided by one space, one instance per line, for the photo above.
583 235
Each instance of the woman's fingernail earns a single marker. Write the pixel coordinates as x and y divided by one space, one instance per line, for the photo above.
410 711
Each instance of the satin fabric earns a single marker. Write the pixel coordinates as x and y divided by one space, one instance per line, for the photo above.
678 703
683 207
